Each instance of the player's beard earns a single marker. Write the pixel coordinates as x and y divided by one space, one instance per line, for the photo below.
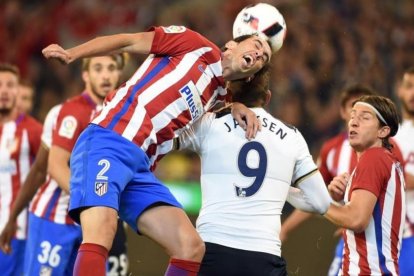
6 110
95 92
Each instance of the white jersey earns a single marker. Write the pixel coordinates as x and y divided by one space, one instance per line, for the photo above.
245 183
404 139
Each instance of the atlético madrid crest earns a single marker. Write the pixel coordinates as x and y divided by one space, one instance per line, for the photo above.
101 187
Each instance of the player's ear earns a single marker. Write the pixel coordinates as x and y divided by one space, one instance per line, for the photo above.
230 44
268 97
85 76
384 132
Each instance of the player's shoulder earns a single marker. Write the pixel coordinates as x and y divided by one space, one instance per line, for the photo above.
268 120
54 111
78 104
376 156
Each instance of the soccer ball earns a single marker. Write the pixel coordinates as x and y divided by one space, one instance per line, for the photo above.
262 19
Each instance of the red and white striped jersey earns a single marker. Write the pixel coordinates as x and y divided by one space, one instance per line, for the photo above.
336 157
404 139
178 82
19 142
375 251
64 123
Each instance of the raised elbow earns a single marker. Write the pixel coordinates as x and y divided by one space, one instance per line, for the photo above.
358 225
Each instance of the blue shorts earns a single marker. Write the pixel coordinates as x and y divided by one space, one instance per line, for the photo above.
406 261
109 170
12 264
336 264
51 247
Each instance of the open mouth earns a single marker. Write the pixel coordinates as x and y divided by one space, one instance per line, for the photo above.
352 133
249 60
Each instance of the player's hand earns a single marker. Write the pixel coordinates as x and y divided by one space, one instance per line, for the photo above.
337 186
55 51
6 236
247 119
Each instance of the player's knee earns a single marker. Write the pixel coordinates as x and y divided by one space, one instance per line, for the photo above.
99 225
193 248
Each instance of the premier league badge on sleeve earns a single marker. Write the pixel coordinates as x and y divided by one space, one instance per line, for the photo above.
101 187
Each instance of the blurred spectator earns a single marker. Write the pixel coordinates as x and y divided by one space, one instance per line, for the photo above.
24 100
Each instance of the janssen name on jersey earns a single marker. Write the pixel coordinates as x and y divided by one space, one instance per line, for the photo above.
270 124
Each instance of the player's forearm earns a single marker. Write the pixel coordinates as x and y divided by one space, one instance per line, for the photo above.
34 180
313 195
61 174
111 44
344 216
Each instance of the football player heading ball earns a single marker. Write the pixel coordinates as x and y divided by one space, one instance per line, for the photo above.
263 19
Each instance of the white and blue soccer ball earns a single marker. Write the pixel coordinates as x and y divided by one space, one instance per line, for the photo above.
262 19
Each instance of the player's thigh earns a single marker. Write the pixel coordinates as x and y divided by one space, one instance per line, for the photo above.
51 247
102 164
226 261
149 208
142 193
12 264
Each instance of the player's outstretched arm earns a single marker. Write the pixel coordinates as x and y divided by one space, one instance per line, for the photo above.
35 178
356 214
310 195
138 43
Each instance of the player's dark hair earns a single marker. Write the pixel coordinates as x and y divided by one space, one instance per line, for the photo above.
388 111
409 71
354 91
251 93
7 67
242 38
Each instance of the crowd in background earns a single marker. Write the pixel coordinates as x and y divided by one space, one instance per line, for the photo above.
329 44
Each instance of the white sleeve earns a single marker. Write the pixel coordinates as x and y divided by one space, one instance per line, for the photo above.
49 125
191 138
304 160
311 194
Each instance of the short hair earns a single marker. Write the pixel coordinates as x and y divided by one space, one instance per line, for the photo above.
388 111
354 91
120 59
409 71
8 67
254 92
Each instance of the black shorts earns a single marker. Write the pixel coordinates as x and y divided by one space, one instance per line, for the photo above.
226 261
